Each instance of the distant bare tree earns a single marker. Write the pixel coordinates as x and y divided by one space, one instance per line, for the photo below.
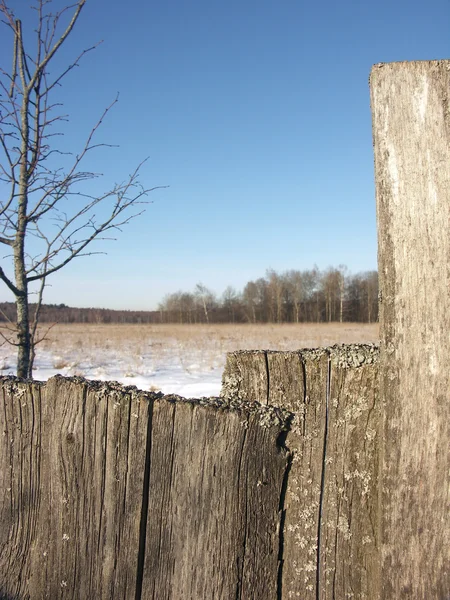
342 270
187 301
46 218
371 278
362 292
294 283
276 288
206 299
230 302
330 288
250 300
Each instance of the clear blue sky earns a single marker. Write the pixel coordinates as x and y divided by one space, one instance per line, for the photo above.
256 114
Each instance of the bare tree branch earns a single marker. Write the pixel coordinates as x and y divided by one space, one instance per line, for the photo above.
7 340
9 283
46 216
49 55
7 318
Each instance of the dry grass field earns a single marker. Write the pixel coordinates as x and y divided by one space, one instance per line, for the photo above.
225 338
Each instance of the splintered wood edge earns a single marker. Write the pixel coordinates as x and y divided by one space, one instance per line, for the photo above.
268 416
342 355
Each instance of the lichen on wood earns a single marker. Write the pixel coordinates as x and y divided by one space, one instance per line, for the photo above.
331 502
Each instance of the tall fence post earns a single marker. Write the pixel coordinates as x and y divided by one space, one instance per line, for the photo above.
411 130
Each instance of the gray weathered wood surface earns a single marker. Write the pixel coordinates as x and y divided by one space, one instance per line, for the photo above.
71 488
214 513
330 537
411 130
108 492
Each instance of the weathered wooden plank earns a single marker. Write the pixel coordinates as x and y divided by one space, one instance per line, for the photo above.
85 486
285 381
118 496
96 476
238 381
411 130
303 494
20 454
348 542
215 489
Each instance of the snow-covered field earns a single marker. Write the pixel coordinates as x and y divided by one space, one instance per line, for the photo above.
182 359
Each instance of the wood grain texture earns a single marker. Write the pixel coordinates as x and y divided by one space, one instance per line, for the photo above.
349 537
247 384
411 130
109 492
215 490
285 378
330 513
304 487
20 459
80 491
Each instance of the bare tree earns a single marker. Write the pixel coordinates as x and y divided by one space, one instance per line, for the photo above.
371 278
342 270
250 300
276 288
230 302
205 298
48 217
330 289
294 284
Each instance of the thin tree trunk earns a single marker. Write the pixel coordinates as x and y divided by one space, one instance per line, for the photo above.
34 328
279 307
23 319
23 335
24 338
205 309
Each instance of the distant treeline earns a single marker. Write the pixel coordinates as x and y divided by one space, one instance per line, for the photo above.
60 313
289 297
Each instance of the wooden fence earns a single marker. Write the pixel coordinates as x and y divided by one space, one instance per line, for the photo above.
108 492
330 511
317 475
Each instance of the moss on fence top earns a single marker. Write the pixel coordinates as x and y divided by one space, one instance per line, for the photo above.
268 416
342 355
